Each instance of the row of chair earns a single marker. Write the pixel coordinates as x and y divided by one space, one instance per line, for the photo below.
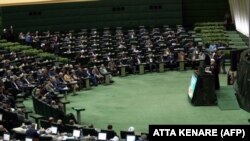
44 111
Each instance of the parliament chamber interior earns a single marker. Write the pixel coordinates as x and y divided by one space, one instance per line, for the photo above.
107 69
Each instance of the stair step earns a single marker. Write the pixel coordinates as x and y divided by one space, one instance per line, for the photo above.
236 39
238 47
238 43
231 32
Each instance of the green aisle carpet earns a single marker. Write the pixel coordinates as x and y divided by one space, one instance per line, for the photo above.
227 99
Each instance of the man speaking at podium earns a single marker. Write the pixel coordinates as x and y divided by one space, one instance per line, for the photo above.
213 69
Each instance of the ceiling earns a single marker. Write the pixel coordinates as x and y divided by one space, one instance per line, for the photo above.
31 2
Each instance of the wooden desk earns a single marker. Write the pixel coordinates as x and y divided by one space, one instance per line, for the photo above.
87 85
64 102
37 118
78 113
65 92
123 70
107 79
141 68
181 65
161 67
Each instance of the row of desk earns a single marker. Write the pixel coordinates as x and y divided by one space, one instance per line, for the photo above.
160 66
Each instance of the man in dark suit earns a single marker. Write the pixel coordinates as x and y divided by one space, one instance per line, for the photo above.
171 61
15 88
111 134
31 132
91 77
132 65
213 68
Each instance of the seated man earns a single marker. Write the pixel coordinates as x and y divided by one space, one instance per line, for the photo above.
131 65
104 71
31 132
97 75
151 63
91 77
171 61
111 134
112 67
15 88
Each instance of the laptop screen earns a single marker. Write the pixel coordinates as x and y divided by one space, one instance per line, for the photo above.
102 136
28 139
76 133
1 117
54 130
6 137
130 138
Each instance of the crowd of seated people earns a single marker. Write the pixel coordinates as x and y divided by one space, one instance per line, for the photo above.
116 47
20 74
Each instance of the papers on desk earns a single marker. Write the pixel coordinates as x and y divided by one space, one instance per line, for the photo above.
66 137
66 88
207 70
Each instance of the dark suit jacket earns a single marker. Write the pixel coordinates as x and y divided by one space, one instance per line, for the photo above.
32 133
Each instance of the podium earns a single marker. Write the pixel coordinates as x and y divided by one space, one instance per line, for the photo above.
202 90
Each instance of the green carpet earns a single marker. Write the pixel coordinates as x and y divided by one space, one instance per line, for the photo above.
155 98
227 99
